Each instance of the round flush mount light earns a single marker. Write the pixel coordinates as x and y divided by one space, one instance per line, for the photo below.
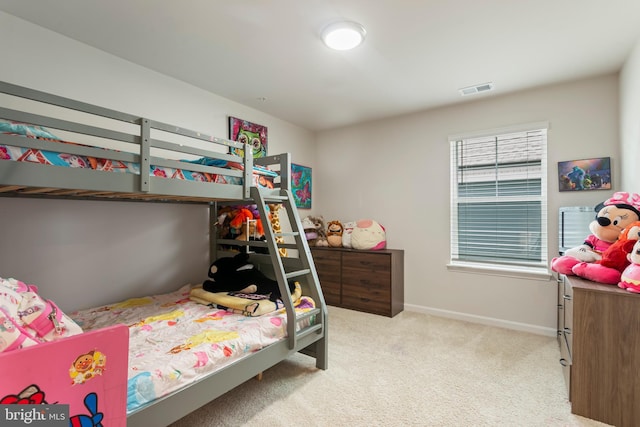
343 35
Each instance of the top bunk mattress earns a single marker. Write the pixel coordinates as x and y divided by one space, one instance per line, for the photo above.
262 176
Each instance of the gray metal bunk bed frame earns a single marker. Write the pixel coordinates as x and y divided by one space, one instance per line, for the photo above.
24 179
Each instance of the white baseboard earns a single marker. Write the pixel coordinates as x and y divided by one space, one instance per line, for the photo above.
490 321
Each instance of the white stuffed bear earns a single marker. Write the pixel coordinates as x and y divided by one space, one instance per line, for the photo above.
347 229
368 235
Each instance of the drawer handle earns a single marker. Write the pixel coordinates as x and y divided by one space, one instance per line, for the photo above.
560 306
564 362
567 297
567 331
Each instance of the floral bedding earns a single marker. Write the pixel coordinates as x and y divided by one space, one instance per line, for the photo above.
262 177
174 341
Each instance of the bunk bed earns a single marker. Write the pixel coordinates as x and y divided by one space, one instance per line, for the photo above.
55 147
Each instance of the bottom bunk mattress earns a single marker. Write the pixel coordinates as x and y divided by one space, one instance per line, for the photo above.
174 341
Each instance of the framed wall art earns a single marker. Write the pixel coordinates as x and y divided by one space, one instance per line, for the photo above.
301 185
585 174
246 132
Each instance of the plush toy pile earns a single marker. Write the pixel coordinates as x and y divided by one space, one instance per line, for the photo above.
364 234
233 222
241 223
604 254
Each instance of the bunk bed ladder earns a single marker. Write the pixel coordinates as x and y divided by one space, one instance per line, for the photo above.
304 270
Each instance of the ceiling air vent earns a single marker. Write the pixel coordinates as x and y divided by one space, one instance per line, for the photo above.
470 90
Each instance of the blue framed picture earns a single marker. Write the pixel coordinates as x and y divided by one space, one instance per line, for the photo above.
301 185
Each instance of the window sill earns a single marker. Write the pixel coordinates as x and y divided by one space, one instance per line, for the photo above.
531 273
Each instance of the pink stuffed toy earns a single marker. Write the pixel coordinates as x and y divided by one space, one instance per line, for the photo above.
368 235
615 260
613 215
630 279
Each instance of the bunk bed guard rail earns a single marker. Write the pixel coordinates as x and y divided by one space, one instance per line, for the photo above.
142 138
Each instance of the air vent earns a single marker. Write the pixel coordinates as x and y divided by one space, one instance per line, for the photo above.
470 90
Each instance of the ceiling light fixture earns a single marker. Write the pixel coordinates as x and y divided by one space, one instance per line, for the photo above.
343 35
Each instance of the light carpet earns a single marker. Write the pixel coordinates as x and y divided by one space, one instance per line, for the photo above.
411 370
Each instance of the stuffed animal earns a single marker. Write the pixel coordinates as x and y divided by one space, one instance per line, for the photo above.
246 225
322 231
612 216
315 231
236 274
310 231
347 229
334 234
615 260
225 214
630 278
368 235
242 221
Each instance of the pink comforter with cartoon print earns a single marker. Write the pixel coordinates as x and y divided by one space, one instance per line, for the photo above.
174 341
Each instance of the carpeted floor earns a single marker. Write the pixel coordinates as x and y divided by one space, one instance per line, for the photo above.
412 370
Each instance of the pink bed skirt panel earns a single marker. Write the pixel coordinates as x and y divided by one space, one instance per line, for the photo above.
87 372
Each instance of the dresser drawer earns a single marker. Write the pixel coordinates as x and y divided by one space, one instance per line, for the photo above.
366 290
370 262
371 302
560 306
565 361
568 315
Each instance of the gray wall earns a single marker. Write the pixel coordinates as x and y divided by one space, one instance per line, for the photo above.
397 171
630 121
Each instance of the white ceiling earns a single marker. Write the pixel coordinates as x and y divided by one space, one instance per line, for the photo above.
417 53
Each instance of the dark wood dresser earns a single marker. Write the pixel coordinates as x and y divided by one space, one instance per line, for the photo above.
599 334
370 281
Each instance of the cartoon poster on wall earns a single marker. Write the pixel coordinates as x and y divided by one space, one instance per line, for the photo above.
248 133
585 174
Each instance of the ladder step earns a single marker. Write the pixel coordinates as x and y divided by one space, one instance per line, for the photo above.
308 330
287 234
297 273
312 312
276 199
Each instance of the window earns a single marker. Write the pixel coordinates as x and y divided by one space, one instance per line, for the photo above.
498 199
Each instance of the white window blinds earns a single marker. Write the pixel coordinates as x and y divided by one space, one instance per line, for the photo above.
498 199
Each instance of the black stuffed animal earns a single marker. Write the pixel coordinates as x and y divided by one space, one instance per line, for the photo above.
236 274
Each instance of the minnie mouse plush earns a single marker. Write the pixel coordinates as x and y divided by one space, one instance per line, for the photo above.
613 215
615 260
